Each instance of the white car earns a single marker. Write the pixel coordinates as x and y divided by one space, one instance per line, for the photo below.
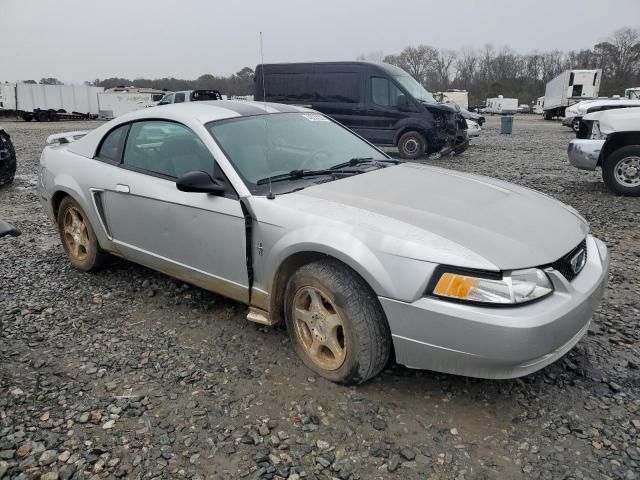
575 112
613 143
473 129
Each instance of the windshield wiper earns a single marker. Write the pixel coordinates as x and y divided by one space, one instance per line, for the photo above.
334 170
360 160
294 174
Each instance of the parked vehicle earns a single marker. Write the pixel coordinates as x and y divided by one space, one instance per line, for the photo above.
120 100
571 86
7 159
524 108
476 117
49 102
473 128
190 96
613 145
459 97
501 105
286 210
632 93
538 109
8 229
380 102
574 113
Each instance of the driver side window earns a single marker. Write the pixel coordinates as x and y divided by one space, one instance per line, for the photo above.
384 92
167 149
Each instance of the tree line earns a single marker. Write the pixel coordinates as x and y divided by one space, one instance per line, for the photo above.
488 72
484 72
240 83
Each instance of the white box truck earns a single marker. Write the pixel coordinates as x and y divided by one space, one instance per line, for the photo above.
501 106
571 86
539 107
49 102
120 100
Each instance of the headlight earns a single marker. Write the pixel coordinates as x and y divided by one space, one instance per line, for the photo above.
596 134
518 286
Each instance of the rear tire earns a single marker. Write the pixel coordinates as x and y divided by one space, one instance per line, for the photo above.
329 309
621 171
412 145
78 237
575 125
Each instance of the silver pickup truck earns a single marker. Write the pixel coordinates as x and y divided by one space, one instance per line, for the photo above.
612 143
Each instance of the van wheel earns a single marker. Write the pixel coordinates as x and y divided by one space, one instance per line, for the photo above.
412 145
621 171
78 237
336 323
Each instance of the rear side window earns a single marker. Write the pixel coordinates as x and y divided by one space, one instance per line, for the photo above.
166 148
179 98
330 87
111 144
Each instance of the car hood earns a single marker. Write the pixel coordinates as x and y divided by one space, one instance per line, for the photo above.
617 120
482 222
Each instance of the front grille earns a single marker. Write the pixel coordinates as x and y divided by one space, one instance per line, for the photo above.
563 265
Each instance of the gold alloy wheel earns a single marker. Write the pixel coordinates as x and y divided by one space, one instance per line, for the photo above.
319 328
75 233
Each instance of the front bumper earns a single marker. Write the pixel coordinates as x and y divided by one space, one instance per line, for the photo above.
584 154
568 121
499 342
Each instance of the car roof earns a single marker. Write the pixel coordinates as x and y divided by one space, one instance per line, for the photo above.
187 113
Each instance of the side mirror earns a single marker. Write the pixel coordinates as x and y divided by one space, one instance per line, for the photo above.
199 182
403 104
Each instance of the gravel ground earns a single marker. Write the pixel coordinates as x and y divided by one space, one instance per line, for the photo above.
128 373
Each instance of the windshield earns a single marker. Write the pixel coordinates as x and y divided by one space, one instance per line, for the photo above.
264 146
416 90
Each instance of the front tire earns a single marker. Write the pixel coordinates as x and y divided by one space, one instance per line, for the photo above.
621 171
412 145
78 237
575 125
8 162
336 323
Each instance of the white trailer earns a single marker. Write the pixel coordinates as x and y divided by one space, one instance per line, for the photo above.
49 102
571 86
459 97
539 107
501 106
117 101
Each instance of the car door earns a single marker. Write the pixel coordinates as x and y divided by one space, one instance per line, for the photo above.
197 237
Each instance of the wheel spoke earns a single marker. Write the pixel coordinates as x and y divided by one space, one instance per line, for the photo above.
337 350
333 321
316 300
314 349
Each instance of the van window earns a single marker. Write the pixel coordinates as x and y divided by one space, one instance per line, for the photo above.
384 92
331 87
179 98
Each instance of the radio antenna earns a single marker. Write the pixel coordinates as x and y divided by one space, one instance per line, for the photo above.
270 195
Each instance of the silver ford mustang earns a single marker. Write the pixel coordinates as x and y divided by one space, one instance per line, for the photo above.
283 209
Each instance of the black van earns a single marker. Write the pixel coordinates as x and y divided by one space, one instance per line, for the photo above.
381 102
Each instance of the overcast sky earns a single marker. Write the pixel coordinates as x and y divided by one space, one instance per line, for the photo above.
77 40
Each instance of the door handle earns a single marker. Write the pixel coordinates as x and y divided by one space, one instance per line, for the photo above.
122 188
